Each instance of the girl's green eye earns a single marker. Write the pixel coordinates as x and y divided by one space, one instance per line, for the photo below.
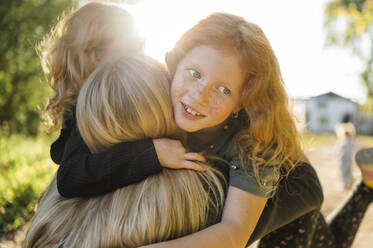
224 90
194 73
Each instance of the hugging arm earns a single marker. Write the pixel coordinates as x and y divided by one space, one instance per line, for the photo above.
243 207
82 173
241 213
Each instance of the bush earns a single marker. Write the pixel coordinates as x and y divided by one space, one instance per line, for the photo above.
23 90
25 171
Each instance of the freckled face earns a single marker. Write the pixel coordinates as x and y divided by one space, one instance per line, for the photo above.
206 88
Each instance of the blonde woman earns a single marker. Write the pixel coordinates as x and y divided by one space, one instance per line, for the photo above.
128 99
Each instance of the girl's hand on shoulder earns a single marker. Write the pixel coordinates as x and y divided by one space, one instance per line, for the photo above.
172 154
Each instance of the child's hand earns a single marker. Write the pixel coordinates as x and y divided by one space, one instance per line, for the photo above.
171 154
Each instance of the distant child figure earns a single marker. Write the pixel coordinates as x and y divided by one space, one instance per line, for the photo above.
346 145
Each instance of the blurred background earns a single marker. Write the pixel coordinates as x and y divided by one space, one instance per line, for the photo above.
324 47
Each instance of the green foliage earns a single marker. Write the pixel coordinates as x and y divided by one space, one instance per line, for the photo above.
367 107
130 2
350 23
23 92
310 141
348 20
25 171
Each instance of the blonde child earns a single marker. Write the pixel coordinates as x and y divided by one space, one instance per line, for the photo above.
345 146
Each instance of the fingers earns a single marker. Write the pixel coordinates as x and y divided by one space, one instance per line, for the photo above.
193 166
194 156
171 154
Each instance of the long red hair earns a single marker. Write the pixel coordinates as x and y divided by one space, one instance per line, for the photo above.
271 137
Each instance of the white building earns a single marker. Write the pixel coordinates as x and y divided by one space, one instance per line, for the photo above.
323 112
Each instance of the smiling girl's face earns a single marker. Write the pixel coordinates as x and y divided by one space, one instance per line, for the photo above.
206 88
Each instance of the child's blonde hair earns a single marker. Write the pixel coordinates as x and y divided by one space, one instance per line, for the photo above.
128 99
77 45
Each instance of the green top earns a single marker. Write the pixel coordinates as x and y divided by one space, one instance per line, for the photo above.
245 179
219 141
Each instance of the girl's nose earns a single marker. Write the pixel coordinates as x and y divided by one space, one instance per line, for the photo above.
201 93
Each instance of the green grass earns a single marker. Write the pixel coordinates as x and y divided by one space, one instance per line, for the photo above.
25 171
310 140
365 141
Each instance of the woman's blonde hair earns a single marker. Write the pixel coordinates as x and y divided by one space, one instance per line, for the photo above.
128 99
271 137
76 45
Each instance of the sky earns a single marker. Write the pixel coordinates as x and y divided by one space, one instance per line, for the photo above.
293 27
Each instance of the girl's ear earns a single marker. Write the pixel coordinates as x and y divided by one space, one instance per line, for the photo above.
172 61
236 111
237 108
169 60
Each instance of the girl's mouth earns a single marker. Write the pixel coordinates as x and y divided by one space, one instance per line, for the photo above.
190 113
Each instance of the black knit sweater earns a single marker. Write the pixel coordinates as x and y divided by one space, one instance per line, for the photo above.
82 173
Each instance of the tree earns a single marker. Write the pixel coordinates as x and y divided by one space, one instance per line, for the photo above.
23 91
350 24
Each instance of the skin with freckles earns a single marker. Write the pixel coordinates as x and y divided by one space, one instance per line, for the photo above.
206 88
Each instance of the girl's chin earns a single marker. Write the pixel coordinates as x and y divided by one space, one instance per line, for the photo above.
188 127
